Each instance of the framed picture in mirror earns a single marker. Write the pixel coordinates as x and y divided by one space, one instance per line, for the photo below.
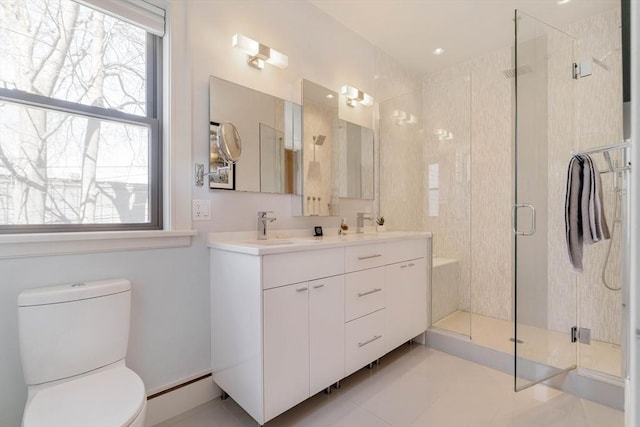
222 176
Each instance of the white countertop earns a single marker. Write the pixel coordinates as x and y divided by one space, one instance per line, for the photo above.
306 243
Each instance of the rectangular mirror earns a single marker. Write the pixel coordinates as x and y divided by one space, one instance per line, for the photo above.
271 133
338 157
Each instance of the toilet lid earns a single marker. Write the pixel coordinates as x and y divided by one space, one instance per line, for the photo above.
109 398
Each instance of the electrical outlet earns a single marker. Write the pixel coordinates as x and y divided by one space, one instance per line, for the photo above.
201 210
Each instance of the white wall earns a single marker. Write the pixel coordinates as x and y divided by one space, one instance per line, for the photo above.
169 323
319 49
170 311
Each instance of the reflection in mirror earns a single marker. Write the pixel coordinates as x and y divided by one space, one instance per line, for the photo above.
224 152
228 142
261 168
279 163
320 122
356 161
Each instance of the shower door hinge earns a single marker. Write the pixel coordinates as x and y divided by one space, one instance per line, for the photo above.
583 335
582 69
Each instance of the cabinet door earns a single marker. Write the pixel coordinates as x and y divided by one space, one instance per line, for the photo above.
326 332
286 347
406 301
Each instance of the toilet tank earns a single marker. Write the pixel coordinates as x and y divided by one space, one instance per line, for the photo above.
71 329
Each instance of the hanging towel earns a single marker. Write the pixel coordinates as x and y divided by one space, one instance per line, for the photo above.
585 221
572 217
595 229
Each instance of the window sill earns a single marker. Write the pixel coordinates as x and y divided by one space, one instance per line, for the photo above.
42 244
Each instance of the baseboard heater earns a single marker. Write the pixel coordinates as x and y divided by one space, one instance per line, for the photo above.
178 386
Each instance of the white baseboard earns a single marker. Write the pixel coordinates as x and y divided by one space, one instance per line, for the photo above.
180 399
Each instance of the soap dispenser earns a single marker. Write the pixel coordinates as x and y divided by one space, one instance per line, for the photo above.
343 226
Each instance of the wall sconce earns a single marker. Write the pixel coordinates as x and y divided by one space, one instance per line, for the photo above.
259 53
444 135
355 95
404 118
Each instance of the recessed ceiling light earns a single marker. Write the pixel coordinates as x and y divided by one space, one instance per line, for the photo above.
438 51
563 1
329 96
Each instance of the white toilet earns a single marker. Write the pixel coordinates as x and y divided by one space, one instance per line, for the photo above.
73 342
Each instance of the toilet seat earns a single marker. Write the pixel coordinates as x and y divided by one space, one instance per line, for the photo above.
109 398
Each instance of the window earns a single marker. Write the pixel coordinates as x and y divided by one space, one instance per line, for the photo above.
80 145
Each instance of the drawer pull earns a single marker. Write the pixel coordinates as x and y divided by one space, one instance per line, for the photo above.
411 264
373 291
318 286
375 337
403 266
360 258
302 289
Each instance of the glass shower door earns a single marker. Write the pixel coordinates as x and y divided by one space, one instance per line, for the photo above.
545 300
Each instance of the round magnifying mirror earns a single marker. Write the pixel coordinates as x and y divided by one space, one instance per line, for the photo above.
228 141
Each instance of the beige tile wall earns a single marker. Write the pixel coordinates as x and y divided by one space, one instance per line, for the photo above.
599 122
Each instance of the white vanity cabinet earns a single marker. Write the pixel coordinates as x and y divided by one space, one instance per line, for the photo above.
289 321
326 332
406 293
303 341
277 326
286 347
365 302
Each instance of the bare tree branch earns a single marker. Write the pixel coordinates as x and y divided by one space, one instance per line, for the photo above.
17 175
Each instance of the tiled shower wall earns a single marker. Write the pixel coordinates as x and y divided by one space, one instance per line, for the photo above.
468 135
400 146
592 112
446 174
599 122
466 130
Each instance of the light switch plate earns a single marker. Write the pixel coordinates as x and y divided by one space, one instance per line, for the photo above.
201 210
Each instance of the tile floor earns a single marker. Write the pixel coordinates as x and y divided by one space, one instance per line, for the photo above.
415 386
540 345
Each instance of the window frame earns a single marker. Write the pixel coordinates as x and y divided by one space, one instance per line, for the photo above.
152 120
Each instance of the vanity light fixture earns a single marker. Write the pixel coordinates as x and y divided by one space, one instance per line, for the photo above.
259 53
355 96
438 51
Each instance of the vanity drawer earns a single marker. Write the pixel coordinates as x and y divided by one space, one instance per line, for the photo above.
364 256
364 341
405 250
294 267
365 292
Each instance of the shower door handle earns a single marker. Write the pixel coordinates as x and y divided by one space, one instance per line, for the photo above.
514 212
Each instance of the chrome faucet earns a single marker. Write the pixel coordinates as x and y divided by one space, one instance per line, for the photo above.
262 224
360 221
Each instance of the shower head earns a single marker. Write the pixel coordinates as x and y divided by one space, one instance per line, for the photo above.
601 61
523 69
318 140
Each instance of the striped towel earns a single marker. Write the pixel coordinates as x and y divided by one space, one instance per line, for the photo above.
585 221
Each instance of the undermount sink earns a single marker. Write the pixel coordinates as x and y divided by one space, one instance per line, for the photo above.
278 242
273 242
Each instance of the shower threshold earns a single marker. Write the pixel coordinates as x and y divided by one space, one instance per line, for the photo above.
486 340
